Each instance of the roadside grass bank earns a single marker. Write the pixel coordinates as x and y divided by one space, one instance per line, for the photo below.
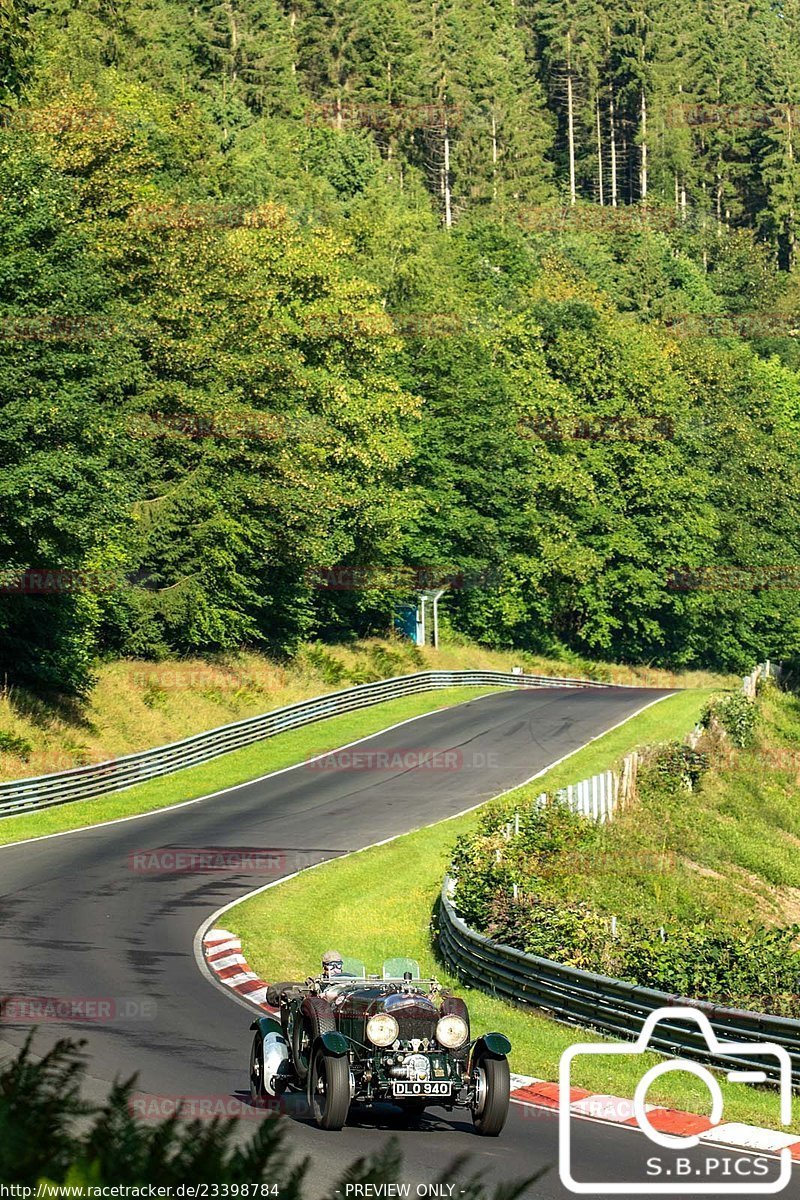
379 903
731 846
693 890
239 766
138 704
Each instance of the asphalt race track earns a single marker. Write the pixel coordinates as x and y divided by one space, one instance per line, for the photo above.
77 921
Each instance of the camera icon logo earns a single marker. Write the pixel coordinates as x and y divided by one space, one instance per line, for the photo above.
670 1142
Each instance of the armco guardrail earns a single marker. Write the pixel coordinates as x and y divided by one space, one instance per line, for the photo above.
608 1005
82 783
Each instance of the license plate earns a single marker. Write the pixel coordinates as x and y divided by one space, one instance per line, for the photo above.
428 1088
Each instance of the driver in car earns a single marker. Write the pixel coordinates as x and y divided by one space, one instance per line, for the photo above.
332 972
332 965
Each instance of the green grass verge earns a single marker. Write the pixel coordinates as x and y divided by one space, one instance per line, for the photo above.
379 903
730 848
240 766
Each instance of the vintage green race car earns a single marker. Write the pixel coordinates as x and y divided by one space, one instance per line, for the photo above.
364 1039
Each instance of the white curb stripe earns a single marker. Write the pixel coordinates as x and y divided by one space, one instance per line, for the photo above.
230 960
221 947
523 1081
246 977
258 995
750 1136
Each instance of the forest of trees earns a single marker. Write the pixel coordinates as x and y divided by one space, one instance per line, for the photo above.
504 291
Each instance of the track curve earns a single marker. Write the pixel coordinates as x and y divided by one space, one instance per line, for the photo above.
76 920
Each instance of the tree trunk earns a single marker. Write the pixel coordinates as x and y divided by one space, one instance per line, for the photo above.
643 168
570 123
448 213
234 30
613 149
790 229
599 150
494 155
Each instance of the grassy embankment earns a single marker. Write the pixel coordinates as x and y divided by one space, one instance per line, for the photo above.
393 889
731 848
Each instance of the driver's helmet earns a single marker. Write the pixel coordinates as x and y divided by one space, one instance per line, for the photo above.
332 964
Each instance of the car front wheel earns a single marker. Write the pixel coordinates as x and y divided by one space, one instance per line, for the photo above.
257 1092
329 1089
492 1082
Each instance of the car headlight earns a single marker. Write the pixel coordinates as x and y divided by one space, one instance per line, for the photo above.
452 1031
382 1029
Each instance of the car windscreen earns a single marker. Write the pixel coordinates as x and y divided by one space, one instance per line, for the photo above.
354 968
397 968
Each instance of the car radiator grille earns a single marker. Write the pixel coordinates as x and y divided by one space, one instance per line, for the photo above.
420 1027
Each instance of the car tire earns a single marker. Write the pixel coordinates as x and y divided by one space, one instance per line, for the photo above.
493 1084
315 1018
329 1089
257 1089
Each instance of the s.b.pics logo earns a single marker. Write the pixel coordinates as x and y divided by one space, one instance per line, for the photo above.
695 1163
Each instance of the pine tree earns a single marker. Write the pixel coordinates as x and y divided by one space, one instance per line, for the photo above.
245 50
563 32
779 149
500 156
724 99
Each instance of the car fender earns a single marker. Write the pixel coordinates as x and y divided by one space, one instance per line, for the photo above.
276 1057
266 1025
334 1043
491 1045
